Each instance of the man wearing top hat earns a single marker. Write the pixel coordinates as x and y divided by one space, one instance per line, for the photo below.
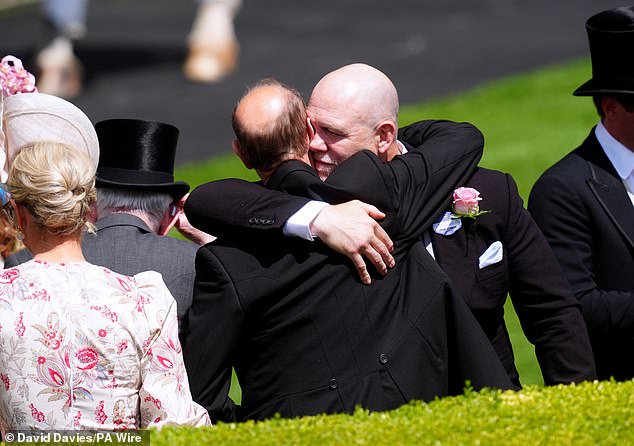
138 202
584 204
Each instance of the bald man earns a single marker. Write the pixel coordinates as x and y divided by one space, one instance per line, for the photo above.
488 257
304 334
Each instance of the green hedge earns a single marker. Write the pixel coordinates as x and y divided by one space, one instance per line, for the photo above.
584 414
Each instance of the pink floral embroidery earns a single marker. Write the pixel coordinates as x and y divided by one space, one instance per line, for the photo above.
124 284
70 371
106 312
9 275
5 380
100 414
19 325
156 401
51 335
141 302
121 346
39 416
39 295
76 419
87 358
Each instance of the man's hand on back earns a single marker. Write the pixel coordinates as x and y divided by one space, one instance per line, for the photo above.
351 229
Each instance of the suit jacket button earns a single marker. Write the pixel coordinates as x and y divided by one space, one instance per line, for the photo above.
383 358
333 384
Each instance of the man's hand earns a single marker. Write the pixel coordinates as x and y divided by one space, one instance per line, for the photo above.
351 229
182 225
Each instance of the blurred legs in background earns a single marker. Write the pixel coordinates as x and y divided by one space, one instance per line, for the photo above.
59 71
213 47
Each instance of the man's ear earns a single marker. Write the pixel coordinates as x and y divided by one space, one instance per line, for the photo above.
235 146
310 129
609 106
386 134
170 216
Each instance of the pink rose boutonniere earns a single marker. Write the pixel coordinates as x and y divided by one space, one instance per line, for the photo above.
465 203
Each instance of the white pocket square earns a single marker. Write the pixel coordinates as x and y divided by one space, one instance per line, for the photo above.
492 255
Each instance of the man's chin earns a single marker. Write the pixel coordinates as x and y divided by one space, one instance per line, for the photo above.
324 170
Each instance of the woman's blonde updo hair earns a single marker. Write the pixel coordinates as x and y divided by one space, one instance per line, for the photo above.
56 183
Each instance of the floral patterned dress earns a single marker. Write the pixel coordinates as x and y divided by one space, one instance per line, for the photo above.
82 347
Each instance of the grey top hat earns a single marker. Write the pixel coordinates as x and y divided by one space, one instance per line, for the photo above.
611 39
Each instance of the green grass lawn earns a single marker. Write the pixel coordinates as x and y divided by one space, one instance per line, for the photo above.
529 122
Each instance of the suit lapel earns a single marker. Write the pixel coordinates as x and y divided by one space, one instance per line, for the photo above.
608 188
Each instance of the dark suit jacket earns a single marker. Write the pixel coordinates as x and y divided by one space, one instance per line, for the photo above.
304 334
583 209
124 244
548 311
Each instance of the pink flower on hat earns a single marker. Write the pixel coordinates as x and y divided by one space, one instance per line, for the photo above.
465 203
14 78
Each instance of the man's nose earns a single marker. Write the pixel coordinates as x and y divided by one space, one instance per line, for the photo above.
317 144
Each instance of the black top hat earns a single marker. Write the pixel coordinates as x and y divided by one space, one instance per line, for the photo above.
611 38
140 155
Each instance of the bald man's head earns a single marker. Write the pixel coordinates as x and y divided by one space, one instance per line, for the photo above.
270 124
352 109
363 90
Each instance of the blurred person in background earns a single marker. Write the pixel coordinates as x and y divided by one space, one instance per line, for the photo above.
584 204
212 43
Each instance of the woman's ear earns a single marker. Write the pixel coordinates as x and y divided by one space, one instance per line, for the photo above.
20 214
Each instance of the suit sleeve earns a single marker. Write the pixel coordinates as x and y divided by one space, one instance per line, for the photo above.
210 335
445 155
559 211
548 311
226 207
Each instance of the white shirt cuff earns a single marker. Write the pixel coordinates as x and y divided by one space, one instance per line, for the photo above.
298 224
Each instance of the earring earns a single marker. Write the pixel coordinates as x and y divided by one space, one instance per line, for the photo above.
20 235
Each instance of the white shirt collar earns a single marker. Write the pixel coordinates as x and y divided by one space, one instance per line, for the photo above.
401 147
620 156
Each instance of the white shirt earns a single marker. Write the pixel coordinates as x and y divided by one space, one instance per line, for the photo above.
621 157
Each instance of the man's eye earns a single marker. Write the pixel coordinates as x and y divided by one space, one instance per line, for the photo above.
333 132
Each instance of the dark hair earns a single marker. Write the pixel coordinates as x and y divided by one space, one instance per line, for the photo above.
626 100
265 148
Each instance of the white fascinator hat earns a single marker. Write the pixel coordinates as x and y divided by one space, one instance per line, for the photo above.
30 117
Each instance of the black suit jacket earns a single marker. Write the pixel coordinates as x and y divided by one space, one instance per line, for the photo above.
583 209
304 334
548 311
